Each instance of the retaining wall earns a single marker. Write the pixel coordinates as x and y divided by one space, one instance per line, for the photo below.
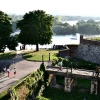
88 50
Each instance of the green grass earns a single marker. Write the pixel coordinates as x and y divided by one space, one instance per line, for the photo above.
59 94
37 55
9 55
81 90
81 64
94 38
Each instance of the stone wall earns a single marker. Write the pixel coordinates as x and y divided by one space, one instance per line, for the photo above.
88 50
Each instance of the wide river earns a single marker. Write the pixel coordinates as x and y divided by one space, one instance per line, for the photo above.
57 40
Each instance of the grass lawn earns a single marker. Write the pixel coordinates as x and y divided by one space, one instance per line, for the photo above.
9 55
94 38
37 55
81 90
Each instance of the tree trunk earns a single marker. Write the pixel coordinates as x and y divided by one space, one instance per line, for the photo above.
37 47
23 47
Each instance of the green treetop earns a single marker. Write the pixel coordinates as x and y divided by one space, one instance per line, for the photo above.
36 28
5 30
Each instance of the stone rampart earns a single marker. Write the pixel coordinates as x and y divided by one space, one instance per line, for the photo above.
88 50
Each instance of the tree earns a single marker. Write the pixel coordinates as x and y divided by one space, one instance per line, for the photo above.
89 27
36 28
5 30
74 29
12 42
62 29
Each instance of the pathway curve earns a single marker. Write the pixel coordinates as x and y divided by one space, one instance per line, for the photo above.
23 68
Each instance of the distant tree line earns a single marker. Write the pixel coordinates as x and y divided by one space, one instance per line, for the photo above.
89 27
14 20
85 25
75 18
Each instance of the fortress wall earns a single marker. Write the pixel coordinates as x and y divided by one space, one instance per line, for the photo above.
88 50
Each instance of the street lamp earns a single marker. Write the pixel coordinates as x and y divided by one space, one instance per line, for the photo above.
49 56
42 59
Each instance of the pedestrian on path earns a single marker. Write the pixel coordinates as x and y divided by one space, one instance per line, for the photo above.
97 71
14 71
60 64
5 70
8 71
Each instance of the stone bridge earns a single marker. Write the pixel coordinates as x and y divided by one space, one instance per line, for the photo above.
71 76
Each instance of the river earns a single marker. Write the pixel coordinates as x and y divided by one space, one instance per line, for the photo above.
57 40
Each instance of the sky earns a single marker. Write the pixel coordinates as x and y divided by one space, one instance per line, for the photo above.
54 7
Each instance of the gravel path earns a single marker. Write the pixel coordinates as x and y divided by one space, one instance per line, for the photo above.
23 68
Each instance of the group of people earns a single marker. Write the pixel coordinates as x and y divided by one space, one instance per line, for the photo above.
8 71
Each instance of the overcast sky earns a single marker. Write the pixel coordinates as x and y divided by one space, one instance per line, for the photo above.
54 7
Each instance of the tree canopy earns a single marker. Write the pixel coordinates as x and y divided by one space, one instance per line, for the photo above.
12 42
36 28
5 30
89 27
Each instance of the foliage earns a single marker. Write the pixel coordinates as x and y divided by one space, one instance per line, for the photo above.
12 42
55 61
62 29
80 64
4 96
36 28
5 30
76 94
41 98
89 27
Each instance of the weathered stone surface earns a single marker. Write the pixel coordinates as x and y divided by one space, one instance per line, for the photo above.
88 52
94 84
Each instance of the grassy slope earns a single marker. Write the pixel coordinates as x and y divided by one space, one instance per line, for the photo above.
81 91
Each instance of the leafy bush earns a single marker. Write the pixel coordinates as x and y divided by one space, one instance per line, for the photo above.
55 61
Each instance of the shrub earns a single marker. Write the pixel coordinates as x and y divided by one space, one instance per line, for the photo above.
55 62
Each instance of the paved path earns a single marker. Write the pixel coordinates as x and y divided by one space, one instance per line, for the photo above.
23 68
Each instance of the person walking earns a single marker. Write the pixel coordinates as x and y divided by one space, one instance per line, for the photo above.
5 70
8 71
60 63
97 71
14 72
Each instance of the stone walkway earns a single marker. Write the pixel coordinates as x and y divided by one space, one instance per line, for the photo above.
82 73
23 68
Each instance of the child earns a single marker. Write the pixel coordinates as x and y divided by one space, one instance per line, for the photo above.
14 71
8 70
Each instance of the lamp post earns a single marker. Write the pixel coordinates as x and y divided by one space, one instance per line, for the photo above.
42 59
49 56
